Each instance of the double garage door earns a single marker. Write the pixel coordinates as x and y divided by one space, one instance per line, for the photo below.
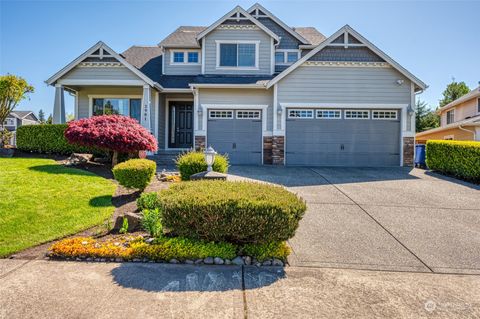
316 137
237 133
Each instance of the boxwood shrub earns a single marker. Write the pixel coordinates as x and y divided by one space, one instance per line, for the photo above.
236 212
148 201
135 173
457 158
194 162
274 249
49 138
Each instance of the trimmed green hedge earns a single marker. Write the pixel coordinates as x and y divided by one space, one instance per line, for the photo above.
135 173
48 138
236 212
458 158
194 162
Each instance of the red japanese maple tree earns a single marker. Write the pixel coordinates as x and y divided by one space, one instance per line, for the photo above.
111 132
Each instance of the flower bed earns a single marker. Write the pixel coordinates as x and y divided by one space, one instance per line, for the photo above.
173 250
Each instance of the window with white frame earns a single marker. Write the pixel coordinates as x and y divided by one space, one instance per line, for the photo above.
329 114
9 122
286 57
384 115
249 115
185 57
300 114
450 116
357 114
237 54
220 114
117 106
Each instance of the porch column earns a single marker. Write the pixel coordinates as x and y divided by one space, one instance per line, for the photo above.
146 104
59 105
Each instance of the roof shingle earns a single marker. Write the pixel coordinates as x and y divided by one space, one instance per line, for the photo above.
310 34
183 36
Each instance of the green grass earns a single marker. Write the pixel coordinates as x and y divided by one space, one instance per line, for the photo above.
41 201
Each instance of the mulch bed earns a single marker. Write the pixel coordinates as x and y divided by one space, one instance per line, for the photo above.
124 201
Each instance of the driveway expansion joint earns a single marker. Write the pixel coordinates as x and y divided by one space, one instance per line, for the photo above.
376 221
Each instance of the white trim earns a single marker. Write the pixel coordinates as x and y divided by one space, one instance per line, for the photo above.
111 96
328 110
238 26
230 114
185 57
157 113
367 43
167 116
272 57
101 82
262 107
100 65
344 105
275 108
385 118
285 56
256 112
176 91
76 106
228 16
203 56
347 64
237 42
257 7
228 86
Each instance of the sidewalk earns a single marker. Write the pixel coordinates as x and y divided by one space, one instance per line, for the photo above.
47 289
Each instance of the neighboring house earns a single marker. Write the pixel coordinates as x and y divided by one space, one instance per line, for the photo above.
253 87
459 120
16 119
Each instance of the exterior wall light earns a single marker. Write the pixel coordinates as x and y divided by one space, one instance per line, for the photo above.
400 82
210 157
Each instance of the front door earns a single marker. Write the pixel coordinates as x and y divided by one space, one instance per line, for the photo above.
180 133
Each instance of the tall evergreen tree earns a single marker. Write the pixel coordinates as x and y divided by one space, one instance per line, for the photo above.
50 119
426 118
453 91
41 116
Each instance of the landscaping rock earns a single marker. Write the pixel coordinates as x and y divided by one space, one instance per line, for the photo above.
228 262
267 263
218 261
136 260
78 158
208 175
199 261
89 259
248 260
118 260
149 240
238 261
188 261
208 260
277 262
258 264
133 222
173 261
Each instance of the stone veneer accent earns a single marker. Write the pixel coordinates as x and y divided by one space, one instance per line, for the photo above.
408 151
278 150
199 142
267 150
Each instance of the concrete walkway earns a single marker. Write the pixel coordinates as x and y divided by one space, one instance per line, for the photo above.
50 289
381 218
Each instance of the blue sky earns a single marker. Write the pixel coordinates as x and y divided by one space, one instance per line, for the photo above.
434 40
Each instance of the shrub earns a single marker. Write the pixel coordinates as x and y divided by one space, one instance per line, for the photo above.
237 212
148 201
152 222
274 249
458 158
111 132
135 173
194 162
49 138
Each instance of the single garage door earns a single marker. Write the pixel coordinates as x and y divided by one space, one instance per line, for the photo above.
328 137
237 133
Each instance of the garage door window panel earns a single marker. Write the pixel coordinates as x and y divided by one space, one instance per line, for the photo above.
384 115
220 114
249 115
300 114
329 114
357 114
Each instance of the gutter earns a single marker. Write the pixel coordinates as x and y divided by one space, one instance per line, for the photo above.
473 132
228 86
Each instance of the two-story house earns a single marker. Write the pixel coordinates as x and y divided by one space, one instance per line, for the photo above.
459 120
257 89
16 119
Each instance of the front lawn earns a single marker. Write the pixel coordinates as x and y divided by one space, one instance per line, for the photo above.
41 201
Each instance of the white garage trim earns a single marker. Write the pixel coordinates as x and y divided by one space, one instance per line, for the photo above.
344 105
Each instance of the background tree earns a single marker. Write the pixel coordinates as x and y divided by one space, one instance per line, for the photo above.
41 116
114 133
50 119
70 117
426 118
454 91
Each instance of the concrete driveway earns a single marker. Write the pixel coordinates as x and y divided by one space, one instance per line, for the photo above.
395 219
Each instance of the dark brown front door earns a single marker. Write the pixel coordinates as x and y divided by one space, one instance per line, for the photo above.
180 133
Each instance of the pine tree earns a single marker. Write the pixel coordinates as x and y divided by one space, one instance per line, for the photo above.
41 116
425 117
50 119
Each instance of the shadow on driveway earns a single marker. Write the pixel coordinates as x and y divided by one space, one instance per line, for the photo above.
179 278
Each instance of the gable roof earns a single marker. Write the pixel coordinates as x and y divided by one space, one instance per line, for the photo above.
470 95
22 114
94 48
299 37
147 59
313 36
182 37
365 42
227 16
472 121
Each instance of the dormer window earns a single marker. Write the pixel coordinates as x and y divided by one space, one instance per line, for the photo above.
286 57
184 57
237 54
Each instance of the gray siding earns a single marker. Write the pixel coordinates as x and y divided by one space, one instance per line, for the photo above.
264 66
356 54
100 73
287 40
181 69
237 96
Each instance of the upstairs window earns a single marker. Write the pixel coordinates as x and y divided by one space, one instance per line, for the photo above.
286 57
237 55
450 117
178 57
192 57
478 105
185 57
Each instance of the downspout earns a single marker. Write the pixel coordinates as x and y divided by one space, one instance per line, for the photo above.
473 132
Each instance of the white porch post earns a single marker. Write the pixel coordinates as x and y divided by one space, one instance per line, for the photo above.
59 105
146 105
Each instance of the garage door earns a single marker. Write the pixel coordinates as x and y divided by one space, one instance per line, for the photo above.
327 137
237 133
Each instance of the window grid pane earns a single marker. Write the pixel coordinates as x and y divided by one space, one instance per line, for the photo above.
248 115
300 114
220 114
292 57
328 114
356 114
192 57
228 54
178 57
279 58
246 55
386 115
